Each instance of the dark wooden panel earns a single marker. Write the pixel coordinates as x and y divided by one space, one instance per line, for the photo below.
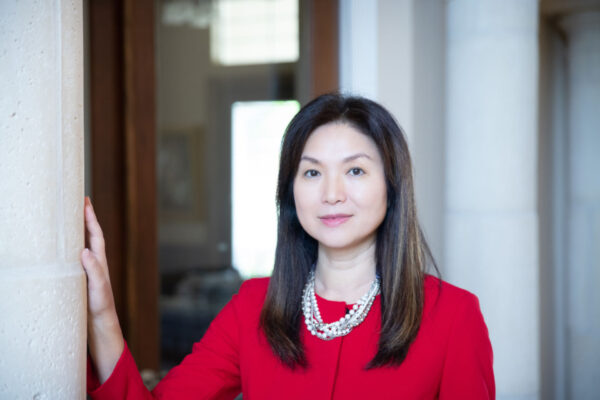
121 44
324 47
140 133
107 146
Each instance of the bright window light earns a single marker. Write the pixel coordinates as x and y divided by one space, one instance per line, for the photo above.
257 129
254 31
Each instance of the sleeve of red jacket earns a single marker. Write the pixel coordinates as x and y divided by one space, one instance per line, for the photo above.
125 381
468 369
211 371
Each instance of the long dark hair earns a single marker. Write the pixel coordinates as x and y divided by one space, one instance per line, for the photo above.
402 254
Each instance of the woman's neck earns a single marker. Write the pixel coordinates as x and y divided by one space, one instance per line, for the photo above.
345 275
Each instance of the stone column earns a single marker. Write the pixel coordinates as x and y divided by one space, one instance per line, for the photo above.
42 285
583 252
358 55
491 241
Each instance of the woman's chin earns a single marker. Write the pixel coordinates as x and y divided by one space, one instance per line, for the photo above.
344 245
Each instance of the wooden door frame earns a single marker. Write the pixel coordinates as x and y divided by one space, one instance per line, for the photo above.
123 159
319 62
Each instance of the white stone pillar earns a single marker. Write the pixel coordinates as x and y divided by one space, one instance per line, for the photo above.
42 285
358 50
491 160
583 268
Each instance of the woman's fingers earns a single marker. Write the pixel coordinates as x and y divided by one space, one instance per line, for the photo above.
92 267
94 231
105 338
100 299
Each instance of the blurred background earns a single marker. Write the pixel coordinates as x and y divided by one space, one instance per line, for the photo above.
187 101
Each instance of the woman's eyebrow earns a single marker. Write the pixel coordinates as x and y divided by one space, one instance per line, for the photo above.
345 160
355 156
310 159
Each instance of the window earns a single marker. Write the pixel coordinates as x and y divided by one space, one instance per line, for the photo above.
257 129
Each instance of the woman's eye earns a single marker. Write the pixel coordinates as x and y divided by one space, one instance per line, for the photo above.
311 173
356 171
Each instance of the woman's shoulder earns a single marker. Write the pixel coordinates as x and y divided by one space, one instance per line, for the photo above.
254 287
252 293
453 319
440 293
246 304
454 313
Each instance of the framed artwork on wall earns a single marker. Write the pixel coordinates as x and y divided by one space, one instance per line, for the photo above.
180 175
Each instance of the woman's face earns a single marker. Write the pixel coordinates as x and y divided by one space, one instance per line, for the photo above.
340 190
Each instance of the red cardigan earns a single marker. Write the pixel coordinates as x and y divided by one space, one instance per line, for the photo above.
451 357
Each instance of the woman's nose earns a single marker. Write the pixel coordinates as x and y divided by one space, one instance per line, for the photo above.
334 190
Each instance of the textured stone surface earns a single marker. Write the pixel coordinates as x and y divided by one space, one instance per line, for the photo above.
42 285
43 322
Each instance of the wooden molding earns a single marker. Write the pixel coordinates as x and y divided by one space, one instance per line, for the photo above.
140 156
123 140
324 46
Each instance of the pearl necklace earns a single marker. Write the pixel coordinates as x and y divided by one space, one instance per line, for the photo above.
356 315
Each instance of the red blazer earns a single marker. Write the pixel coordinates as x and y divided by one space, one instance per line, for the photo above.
451 357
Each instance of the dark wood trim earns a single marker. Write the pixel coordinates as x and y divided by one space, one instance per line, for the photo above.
141 207
324 46
107 147
123 140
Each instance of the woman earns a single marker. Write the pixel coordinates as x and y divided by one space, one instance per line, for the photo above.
349 312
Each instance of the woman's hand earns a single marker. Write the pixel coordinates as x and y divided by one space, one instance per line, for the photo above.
105 338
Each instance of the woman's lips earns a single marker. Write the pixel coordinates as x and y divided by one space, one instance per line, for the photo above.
333 220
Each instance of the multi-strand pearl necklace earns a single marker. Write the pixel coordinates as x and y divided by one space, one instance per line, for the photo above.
353 318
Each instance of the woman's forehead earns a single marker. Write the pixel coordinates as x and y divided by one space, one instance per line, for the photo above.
339 139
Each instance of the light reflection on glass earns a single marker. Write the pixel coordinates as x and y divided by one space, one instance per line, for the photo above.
257 129
254 32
